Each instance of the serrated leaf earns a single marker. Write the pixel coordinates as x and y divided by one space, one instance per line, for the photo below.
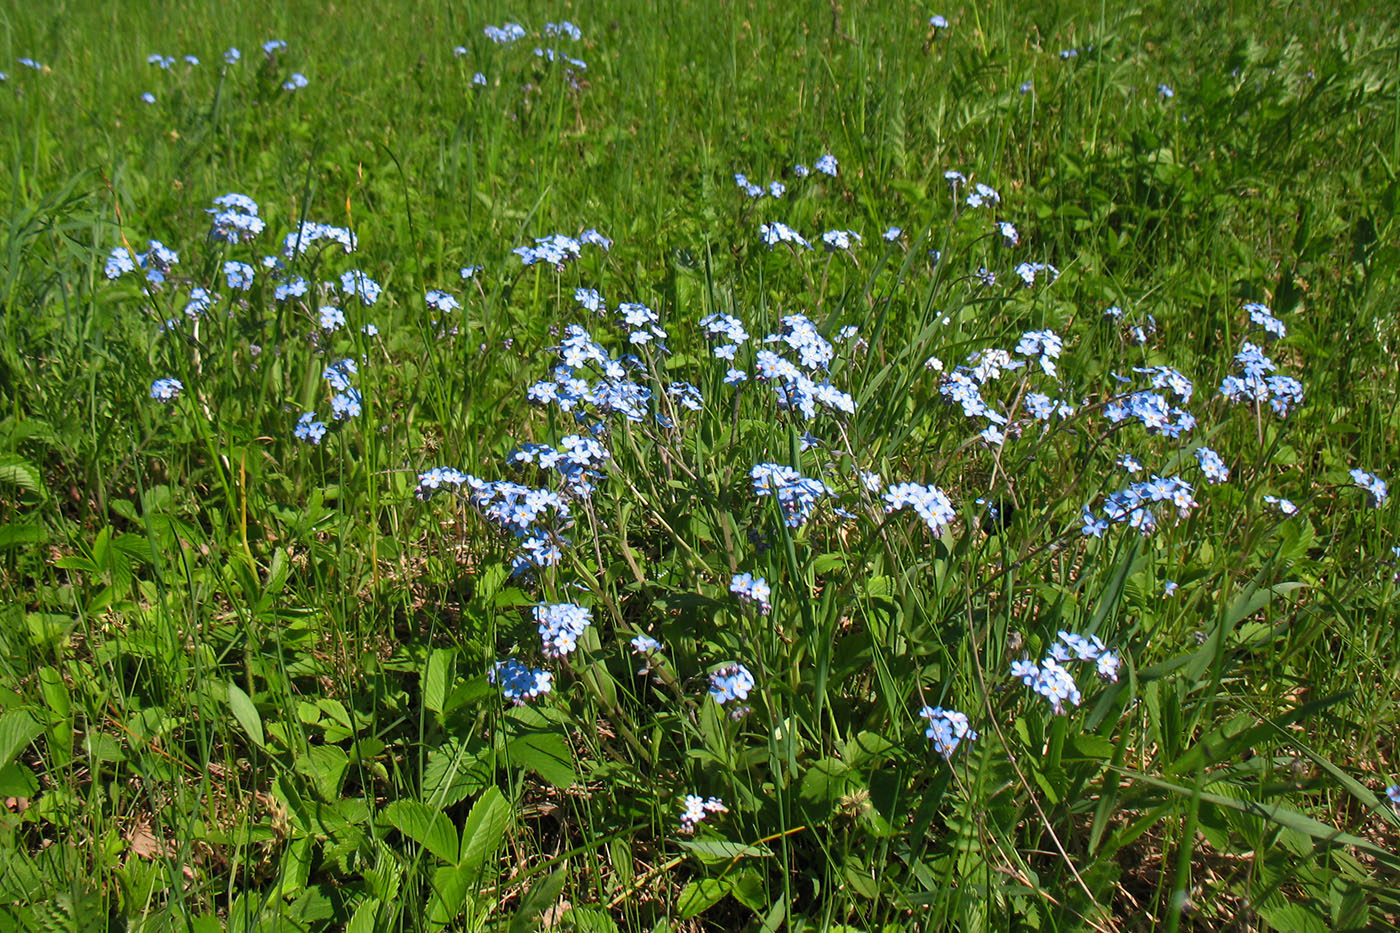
22 535
436 679
18 728
546 754
430 828
484 829
18 471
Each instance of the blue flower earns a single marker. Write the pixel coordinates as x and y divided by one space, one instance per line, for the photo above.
292 288
564 28
892 234
982 194
231 56
695 808
751 589
436 478
731 682
1009 233
338 374
239 275
148 98
505 34
441 301
163 61
119 261
775 233
826 165
166 390
345 405
519 682
560 626
839 239
938 22
1259 314
1165 92
296 82
929 502
273 46
308 429
948 728
1372 484
354 282
479 79
1211 465
644 644
1283 505
1393 792
776 189
331 318
1169 588
801 171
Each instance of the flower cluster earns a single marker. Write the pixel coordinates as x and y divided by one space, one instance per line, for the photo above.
1212 466
1132 506
797 495
505 34
730 682
558 250
775 233
929 502
166 390
309 232
235 218
948 728
156 262
561 625
840 239
751 589
1283 393
1055 681
1261 316
1155 413
695 809
1372 484
519 682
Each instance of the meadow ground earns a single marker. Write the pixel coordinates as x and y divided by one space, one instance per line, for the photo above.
699 466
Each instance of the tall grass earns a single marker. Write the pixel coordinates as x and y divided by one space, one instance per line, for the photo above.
252 682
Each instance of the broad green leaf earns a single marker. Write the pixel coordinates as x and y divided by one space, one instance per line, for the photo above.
432 829
541 897
20 472
241 705
484 829
546 754
437 678
18 728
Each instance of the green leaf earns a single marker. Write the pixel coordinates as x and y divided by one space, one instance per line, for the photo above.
546 754
699 896
436 679
21 535
544 895
722 850
590 920
16 780
431 829
18 728
484 829
18 471
1280 816
241 705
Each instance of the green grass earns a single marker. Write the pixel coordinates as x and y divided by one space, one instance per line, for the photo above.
244 679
